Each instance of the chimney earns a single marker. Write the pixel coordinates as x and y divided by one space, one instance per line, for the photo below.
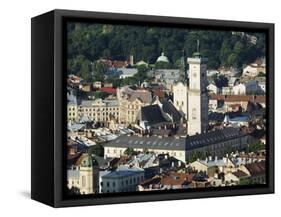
210 158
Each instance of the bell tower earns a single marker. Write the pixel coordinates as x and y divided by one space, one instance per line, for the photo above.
180 89
197 94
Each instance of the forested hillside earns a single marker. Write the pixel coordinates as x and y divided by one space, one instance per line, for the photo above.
90 42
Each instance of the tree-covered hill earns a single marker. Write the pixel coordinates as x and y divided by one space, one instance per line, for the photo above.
90 42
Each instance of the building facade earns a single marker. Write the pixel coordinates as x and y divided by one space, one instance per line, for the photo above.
84 175
130 103
180 91
215 143
99 110
122 180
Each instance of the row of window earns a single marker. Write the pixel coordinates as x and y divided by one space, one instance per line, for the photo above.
131 180
178 103
136 107
71 109
77 182
98 109
102 114
71 114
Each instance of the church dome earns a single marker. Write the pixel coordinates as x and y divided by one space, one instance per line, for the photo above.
162 58
142 63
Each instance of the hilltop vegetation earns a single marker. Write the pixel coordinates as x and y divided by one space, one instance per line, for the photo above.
90 42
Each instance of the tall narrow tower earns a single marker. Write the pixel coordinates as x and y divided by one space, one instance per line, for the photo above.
197 94
180 89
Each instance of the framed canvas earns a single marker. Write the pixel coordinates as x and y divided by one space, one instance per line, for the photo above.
133 108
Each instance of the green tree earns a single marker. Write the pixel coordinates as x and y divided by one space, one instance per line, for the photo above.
141 75
258 146
130 152
246 182
117 42
100 95
220 81
162 65
98 69
232 60
97 150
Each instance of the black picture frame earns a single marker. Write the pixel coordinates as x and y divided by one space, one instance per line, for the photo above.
49 103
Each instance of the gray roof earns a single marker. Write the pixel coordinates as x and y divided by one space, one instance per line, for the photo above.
144 95
73 173
119 173
109 103
169 108
153 142
174 143
76 127
152 114
213 137
128 71
71 99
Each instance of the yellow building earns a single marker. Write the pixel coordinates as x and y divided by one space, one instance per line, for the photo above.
72 111
84 175
99 110
130 103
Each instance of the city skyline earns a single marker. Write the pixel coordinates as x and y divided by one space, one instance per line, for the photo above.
179 122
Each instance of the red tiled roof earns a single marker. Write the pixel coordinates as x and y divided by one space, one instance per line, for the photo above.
239 174
152 181
115 63
238 98
175 179
234 105
158 92
110 90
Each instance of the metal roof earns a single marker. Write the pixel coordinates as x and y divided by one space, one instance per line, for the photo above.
176 143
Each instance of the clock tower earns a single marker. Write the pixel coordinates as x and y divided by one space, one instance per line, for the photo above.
197 95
